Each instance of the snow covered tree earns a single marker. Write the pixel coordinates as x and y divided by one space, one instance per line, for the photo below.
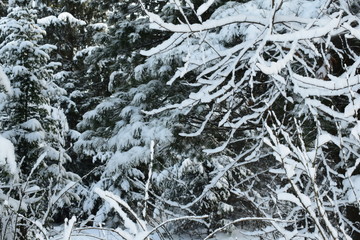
67 33
9 173
279 78
244 114
116 135
34 121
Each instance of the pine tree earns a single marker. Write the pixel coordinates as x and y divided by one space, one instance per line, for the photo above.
35 122
116 134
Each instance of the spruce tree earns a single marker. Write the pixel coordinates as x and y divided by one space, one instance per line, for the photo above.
116 134
34 120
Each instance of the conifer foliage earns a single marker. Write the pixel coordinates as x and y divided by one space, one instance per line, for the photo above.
33 121
148 119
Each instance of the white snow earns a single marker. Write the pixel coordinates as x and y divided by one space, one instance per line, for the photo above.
7 156
131 227
94 234
99 26
305 33
13 203
32 125
289 197
69 224
5 82
207 25
352 188
276 67
33 189
19 70
33 137
68 17
204 7
352 108
307 86
323 138
47 21
350 170
109 234
237 234
252 29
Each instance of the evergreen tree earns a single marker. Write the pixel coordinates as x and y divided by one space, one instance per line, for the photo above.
35 122
224 112
116 135
67 33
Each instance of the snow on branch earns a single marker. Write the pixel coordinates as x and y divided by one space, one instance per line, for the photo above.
7 156
174 40
68 17
335 86
159 24
315 32
5 82
255 73
117 204
243 220
204 7
68 227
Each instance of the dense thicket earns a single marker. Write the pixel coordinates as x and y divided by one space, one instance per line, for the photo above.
154 118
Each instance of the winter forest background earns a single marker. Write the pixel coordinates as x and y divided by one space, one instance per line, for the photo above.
179 119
